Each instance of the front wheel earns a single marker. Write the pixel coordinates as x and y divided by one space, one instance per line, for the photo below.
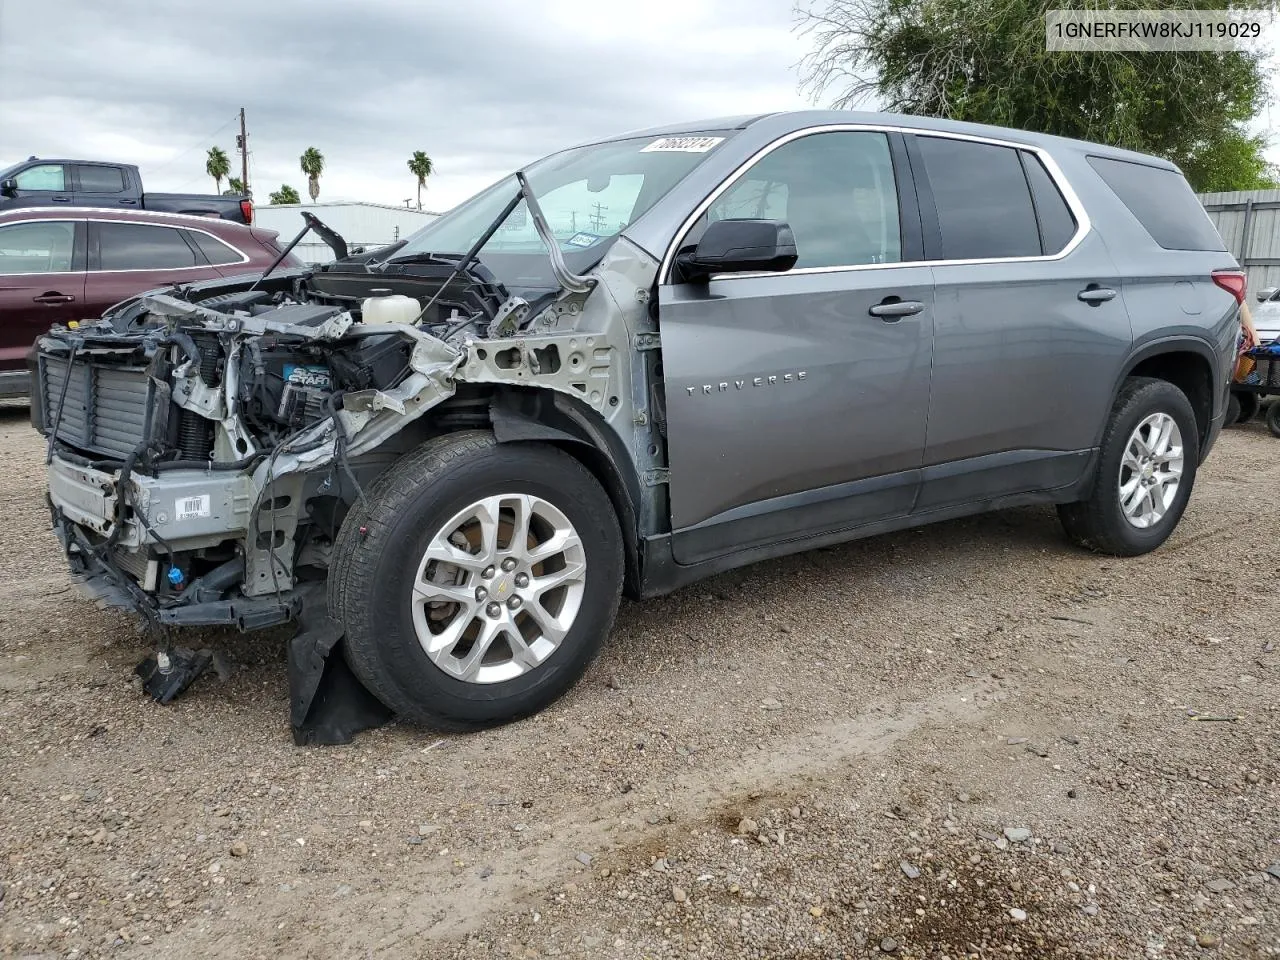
1146 469
477 580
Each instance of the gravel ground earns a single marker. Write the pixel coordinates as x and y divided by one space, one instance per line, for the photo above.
968 740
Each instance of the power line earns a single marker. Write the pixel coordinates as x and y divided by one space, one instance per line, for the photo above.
169 163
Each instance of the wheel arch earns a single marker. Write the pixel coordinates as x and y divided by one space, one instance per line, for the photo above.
1191 365
523 415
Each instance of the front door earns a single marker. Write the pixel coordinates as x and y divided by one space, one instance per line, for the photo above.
41 283
43 185
796 402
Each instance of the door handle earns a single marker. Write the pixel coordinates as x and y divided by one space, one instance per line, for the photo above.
61 199
891 309
1095 295
54 297
129 202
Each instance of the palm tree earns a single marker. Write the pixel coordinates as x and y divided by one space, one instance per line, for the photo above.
217 165
286 194
312 163
235 185
420 166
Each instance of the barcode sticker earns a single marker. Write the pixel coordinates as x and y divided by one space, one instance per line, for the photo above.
192 508
682 145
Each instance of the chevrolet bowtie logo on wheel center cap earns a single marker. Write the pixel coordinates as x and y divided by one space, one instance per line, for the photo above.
502 586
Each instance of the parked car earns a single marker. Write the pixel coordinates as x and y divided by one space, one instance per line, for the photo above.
58 265
1266 316
89 183
789 330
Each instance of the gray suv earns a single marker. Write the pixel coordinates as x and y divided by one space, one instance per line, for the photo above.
639 362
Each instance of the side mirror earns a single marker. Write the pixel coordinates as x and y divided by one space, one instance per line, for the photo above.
8 187
739 246
1267 294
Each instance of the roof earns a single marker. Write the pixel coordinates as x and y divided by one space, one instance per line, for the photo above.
788 121
118 213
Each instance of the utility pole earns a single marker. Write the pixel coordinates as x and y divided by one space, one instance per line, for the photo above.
242 144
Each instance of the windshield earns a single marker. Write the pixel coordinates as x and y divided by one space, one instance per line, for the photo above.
588 195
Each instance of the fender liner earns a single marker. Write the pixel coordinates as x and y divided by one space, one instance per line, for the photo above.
1180 343
543 415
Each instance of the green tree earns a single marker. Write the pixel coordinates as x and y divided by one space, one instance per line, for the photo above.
985 61
286 194
421 167
235 185
217 165
312 163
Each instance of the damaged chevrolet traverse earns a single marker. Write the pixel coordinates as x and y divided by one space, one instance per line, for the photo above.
636 363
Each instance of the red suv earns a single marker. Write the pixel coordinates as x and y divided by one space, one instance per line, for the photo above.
71 264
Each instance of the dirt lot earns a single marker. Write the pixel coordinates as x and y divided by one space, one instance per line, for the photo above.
966 740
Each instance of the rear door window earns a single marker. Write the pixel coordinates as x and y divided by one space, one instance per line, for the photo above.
95 179
1163 202
1057 223
983 200
45 176
140 246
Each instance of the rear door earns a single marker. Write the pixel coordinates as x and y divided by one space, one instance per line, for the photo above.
795 402
102 185
44 185
126 258
42 282
1028 311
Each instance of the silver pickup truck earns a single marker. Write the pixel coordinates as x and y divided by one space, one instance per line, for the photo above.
636 363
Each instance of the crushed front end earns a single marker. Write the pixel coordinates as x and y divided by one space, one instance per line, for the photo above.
200 455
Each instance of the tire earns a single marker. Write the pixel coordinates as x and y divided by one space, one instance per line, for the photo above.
1273 418
379 556
1248 406
1232 416
1099 522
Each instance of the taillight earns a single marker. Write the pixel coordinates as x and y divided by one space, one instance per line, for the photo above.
246 210
1231 281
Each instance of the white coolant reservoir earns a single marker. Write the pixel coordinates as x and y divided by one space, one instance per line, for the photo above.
386 307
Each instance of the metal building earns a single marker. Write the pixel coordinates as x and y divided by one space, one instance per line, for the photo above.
1249 221
367 225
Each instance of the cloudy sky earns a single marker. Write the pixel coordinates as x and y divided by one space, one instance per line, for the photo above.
482 86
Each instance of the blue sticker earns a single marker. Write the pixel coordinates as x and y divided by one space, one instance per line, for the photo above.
582 239
314 377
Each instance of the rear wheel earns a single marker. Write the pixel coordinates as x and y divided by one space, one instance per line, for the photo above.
1146 470
479 580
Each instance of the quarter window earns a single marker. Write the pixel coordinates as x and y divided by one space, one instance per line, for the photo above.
139 246
836 190
44 246
46 176
1163 202
983 201
215 251
100 179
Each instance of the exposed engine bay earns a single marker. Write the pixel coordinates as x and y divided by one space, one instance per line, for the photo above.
206 442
